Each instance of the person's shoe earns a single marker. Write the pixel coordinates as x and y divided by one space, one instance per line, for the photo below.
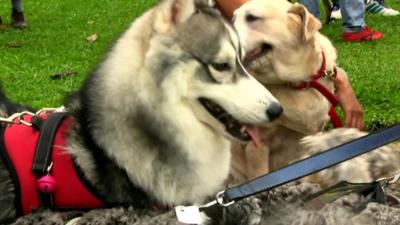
336 14
374 7
366 34
389 12
17 19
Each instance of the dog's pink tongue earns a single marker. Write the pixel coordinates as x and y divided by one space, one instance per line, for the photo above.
252 131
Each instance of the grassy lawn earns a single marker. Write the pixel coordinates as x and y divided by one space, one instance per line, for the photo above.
373 68
56 43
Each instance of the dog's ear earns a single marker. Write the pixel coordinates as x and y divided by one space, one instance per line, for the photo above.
173 13
309 24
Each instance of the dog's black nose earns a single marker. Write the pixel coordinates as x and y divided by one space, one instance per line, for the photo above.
274 111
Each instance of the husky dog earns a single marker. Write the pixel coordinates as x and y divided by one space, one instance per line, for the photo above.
284 47
153 122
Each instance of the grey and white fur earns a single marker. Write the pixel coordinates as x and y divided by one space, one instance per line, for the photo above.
156 116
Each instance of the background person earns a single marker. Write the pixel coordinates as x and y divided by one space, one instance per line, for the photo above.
354 27
17 15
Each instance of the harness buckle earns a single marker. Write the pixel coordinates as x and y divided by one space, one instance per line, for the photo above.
330 75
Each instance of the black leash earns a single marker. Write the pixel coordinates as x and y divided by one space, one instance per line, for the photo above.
310 165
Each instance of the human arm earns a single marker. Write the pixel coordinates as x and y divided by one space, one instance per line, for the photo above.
229 6
354 115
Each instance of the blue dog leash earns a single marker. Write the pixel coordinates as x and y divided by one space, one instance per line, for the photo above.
310 165
294 171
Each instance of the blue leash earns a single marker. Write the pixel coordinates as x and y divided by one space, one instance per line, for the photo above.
310 165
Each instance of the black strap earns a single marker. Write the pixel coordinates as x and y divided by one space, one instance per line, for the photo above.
37 122
313 164
44 147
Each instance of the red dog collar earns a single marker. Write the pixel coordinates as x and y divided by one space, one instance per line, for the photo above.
313 83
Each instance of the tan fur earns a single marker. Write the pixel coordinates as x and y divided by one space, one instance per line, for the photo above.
296 55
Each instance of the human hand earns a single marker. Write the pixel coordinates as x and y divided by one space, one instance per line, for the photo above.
354 114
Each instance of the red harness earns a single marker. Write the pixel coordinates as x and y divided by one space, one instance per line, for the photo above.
313 83
70 192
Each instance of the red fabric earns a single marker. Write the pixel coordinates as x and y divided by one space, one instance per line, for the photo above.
20 142
21 154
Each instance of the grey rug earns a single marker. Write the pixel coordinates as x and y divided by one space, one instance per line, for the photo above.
282 206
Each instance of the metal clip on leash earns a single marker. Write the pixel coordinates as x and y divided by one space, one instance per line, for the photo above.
386 181
191 214
219 199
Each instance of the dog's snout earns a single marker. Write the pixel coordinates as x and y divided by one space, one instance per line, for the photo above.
274 111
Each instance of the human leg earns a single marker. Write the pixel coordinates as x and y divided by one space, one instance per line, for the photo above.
312 6
354 27
17 15
353 15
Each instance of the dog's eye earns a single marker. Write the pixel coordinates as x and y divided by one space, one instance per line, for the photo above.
252 18
221 66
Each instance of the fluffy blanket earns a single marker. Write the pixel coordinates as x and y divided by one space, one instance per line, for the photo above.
282 206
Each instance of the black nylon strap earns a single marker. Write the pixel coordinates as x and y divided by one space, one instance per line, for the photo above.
44 146
313 164
37 122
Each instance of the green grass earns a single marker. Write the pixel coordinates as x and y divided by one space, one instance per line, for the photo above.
373 68
55 42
